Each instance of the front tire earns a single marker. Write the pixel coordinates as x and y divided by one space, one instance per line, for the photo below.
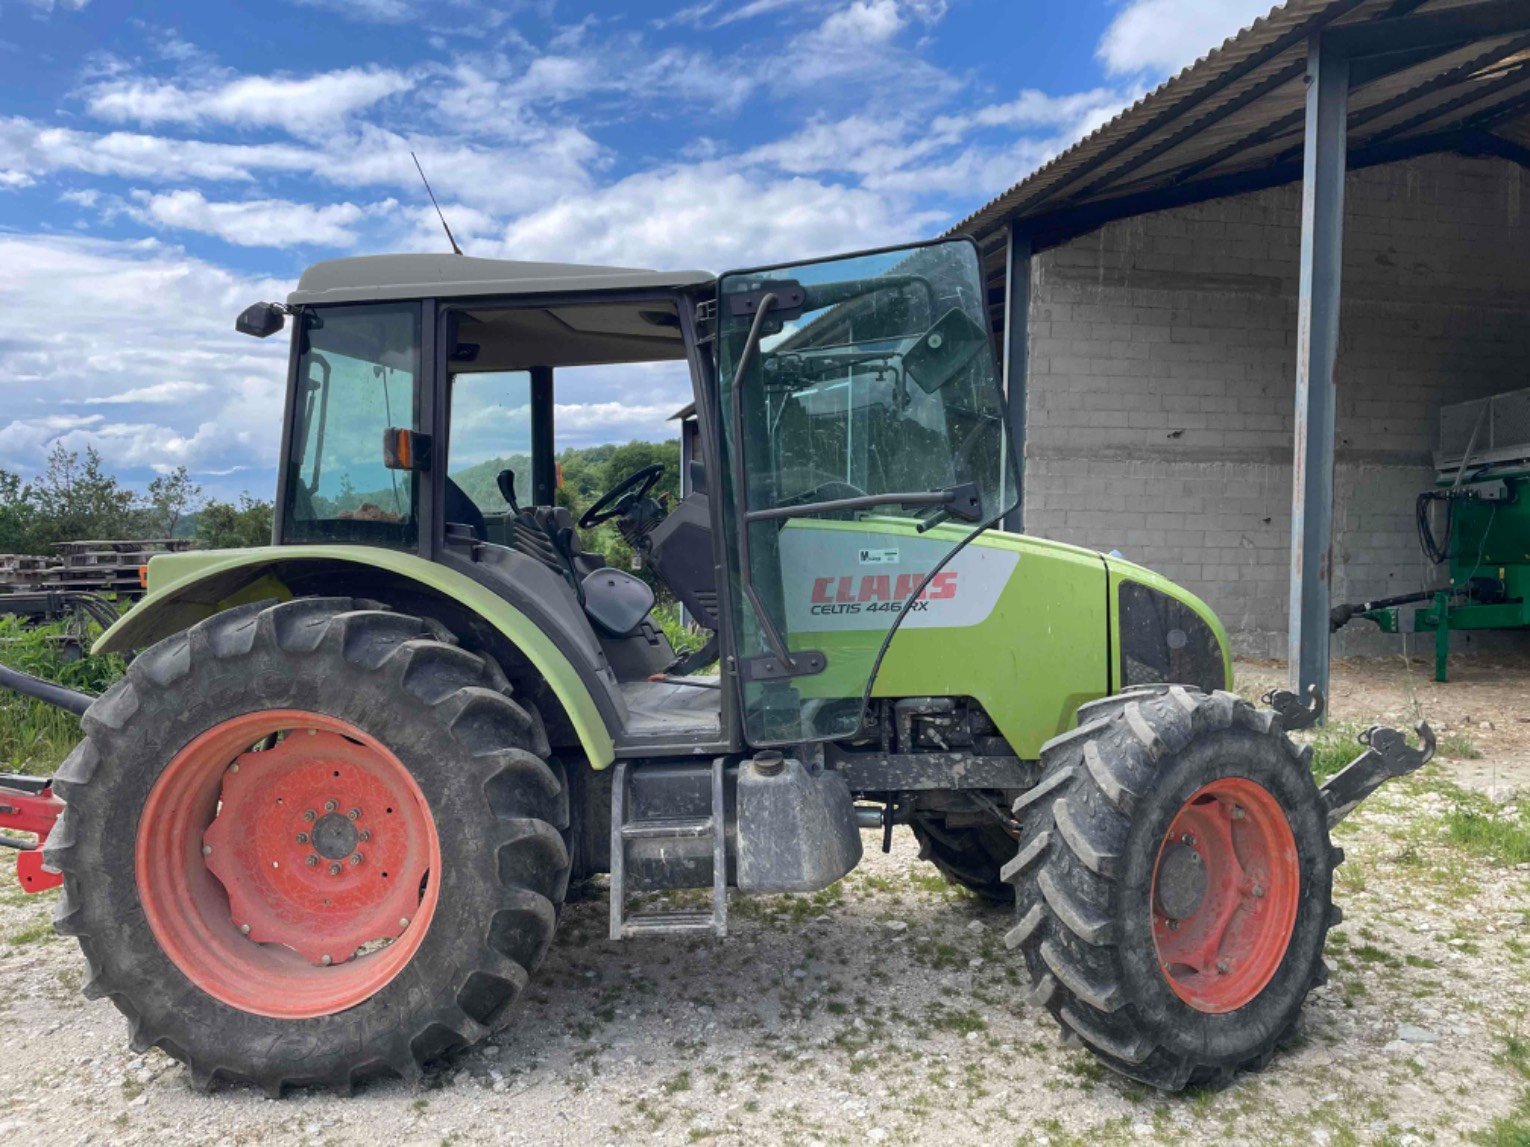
1173 885
309 843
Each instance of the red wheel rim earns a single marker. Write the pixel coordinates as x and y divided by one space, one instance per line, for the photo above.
1225 890
287 864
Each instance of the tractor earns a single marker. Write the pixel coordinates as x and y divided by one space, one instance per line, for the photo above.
323 828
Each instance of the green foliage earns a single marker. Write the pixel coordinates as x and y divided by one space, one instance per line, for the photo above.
225 526
34 737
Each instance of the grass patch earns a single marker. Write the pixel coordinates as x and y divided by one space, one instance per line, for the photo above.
1488 832
1334 746
35 738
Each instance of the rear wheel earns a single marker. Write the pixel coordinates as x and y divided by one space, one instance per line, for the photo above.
303 801
1173 885
967 855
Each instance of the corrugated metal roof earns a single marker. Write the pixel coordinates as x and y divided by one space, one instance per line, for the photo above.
1239 111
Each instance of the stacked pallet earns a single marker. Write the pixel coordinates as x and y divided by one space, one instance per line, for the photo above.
109 567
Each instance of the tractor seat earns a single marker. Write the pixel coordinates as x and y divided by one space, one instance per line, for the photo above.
614 600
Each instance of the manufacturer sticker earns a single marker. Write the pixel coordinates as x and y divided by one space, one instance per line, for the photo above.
879 557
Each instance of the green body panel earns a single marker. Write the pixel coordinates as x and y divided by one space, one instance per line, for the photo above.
185 588
1031 661
1123 570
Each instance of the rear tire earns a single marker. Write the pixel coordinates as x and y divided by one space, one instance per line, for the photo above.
969 856
1173 885
407 719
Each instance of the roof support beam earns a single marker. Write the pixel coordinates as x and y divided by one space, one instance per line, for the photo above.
1017 345
1486 143
1317 345
1433 29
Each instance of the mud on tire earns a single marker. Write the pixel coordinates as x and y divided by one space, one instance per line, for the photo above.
478 758
1093 831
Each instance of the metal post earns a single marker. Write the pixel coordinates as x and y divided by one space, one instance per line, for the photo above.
1017 332
1317 344
544 462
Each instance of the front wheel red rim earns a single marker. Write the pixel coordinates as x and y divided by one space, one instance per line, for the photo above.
1226 885
287 863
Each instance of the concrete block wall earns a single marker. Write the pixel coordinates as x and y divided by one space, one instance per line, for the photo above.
1162 367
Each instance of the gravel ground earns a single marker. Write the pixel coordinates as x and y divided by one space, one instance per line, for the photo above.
886 1009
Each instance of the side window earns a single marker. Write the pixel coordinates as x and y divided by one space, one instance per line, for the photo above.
358 374
490 432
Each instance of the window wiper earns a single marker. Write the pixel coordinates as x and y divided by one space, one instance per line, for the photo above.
961 501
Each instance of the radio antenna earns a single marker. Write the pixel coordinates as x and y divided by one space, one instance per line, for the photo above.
456 250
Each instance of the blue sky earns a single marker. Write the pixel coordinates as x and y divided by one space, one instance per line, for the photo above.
164 163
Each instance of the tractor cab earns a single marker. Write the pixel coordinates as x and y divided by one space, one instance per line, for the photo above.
850 438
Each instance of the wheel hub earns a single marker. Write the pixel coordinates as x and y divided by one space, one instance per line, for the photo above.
315 848
1225 893
1181 882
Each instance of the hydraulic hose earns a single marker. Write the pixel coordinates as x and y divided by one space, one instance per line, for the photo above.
44 691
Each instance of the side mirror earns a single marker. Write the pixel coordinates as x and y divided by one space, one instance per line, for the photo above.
943 350
262 320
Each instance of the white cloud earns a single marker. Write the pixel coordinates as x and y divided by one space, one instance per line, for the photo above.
255 222
301 105
1163 36
108 324
707 215
58 5
157 393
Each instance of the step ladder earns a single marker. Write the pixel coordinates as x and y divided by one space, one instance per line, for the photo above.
667 828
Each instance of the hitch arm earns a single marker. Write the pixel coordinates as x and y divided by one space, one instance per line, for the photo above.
1294 715
1387 755
27 807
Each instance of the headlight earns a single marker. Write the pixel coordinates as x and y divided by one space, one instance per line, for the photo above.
1164 640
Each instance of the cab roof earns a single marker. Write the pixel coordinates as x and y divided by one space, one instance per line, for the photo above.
369 278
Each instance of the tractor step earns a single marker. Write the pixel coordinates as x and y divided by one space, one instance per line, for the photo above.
678 828
647 831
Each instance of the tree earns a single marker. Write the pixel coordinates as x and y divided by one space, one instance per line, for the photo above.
171 497
76 500
225 526
17 520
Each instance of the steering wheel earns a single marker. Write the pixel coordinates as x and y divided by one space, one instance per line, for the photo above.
622 497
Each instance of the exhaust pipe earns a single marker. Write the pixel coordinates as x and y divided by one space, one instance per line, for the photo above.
44 691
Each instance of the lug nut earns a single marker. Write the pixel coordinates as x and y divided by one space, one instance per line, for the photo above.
354 814
1237 812
355 859
244 929
334 869
1188 840
302 838
313 860
325 960
403 921
1258 891
310 815
1173 925
1223 967
331 805
207 850
364 835
233 768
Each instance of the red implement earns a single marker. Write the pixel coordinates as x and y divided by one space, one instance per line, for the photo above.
35 813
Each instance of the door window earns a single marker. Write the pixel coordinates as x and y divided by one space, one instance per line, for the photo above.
869 439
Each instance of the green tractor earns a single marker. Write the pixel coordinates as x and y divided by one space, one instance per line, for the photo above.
323 828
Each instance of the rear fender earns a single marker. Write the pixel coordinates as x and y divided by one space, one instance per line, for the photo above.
186 588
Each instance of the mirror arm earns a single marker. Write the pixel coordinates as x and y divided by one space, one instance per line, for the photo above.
772 636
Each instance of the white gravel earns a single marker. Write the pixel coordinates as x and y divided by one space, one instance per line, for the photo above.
886 1010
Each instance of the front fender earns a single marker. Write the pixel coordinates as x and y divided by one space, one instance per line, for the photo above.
185 588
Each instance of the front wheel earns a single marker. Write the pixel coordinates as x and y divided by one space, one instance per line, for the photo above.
1174 884
309 843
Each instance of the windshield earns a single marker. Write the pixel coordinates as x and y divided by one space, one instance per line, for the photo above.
868 415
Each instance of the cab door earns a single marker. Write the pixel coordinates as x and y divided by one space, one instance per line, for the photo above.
865 445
